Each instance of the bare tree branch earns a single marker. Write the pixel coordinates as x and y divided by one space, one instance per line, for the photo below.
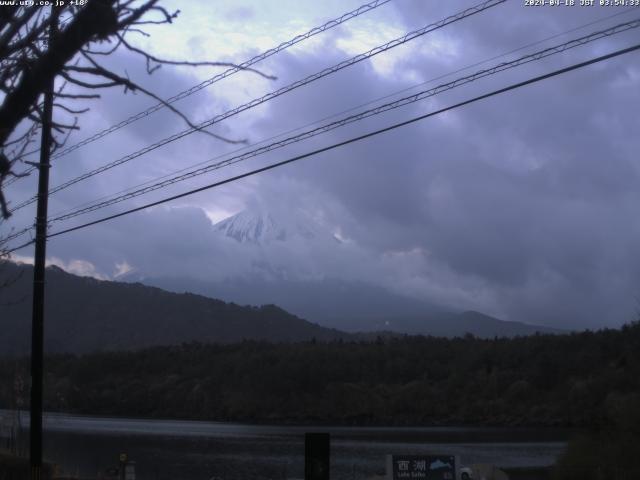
30 60
99 70
71 110
148 56
96 20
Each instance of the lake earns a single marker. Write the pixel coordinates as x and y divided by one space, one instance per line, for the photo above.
193 450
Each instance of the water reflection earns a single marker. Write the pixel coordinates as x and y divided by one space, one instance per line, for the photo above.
185 450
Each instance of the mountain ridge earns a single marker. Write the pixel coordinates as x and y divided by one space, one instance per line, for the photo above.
354 307
84 314
262 227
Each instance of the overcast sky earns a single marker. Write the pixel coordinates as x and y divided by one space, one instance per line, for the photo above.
524 206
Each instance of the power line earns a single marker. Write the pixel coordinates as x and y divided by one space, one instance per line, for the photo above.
358 117
349 110
97 204
227 73
258 101
538 42
349 141
17 234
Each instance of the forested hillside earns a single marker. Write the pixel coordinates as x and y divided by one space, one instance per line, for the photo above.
87 315
559 380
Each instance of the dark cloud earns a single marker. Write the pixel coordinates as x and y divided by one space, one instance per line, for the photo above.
521 205
530 193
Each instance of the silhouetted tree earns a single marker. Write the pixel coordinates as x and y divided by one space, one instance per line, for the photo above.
32 54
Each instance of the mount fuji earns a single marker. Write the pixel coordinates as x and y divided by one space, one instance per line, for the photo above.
262 227
298 262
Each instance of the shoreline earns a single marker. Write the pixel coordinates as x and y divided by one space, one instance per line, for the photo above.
62 421
564 431
131 426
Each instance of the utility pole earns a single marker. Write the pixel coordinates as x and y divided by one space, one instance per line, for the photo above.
37 321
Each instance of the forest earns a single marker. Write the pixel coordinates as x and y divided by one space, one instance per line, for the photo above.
587 381
574 380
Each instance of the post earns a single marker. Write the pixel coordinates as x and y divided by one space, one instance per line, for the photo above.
37 320
123 463
316 456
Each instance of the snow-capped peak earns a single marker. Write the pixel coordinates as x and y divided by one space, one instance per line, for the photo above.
264 227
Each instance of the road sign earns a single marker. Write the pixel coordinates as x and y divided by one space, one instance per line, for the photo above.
421 467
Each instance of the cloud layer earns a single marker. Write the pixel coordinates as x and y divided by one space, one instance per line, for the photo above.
523 205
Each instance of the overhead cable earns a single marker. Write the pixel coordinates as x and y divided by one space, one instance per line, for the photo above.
270 96
343 112
357 117
345 142
227 73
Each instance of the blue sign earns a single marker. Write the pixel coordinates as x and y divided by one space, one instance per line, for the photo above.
423 467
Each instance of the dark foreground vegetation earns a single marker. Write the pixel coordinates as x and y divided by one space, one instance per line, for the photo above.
576 380
589 381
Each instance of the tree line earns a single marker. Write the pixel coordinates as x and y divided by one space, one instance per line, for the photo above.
574 380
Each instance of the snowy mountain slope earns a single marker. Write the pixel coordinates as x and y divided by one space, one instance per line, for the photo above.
262 227
289 258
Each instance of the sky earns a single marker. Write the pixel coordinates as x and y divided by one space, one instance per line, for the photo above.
523 205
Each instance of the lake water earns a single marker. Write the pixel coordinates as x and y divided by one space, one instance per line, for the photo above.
189 450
